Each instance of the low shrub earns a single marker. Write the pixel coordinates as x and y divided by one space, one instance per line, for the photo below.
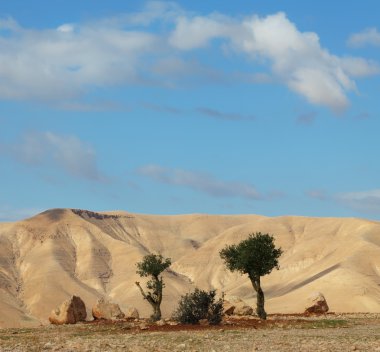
199 305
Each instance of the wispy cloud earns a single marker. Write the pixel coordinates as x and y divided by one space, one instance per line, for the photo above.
64 151
369 36
67 62
221 115
366 201
163 108
200 182
363 116
206 111
99 106
9 214
319 194
306 118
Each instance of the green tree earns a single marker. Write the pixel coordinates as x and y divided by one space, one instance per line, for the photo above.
256 256
152 265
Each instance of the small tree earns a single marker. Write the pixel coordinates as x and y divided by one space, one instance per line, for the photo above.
255 256
199 305
153 265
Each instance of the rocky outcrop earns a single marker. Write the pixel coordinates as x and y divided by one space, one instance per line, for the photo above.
316 304
104 309
69 312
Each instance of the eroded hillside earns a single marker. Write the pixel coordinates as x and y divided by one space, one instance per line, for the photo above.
62 252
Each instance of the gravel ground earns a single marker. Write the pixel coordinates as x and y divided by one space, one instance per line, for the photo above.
351 332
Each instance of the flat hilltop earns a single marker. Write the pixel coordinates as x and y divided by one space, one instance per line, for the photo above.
61 252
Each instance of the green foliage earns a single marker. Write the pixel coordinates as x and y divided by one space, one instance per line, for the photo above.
256 256
152 265
199 305
155 285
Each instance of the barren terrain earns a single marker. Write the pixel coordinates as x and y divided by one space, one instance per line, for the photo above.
344 332
61 252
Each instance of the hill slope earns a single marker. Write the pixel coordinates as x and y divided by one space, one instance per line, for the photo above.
61 252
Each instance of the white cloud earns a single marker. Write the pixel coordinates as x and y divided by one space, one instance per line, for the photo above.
296 58
196 32
67 152
66 28
70 60
64 63
358 67
200 182
369 36
153 11
9 24
320 87
366 201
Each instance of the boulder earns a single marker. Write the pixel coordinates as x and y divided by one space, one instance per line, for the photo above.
237 306
161 322
228 308
132 313
104 309
316 304
243 310
69 312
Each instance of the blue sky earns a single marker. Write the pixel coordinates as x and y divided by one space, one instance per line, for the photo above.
222 107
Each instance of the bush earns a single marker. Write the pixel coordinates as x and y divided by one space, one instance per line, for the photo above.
199 305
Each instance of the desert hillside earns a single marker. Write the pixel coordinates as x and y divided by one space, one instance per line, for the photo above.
47 258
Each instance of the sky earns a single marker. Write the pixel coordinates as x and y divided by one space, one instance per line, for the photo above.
221 107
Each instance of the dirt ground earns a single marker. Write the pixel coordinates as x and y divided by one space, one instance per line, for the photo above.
332 332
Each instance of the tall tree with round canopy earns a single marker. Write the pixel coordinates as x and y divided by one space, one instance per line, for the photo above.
255 256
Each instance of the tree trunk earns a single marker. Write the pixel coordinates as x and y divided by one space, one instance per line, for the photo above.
260 304
153 299
260 300
156 313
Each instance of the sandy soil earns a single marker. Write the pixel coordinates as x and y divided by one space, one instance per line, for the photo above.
342 332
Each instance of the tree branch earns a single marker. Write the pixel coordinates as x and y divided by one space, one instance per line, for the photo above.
141 290
148 296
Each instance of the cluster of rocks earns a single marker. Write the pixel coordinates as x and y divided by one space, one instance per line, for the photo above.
73 310
316 305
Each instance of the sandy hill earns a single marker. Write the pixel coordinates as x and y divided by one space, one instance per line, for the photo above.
61 252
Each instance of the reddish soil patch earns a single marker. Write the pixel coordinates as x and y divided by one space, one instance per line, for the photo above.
229 323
